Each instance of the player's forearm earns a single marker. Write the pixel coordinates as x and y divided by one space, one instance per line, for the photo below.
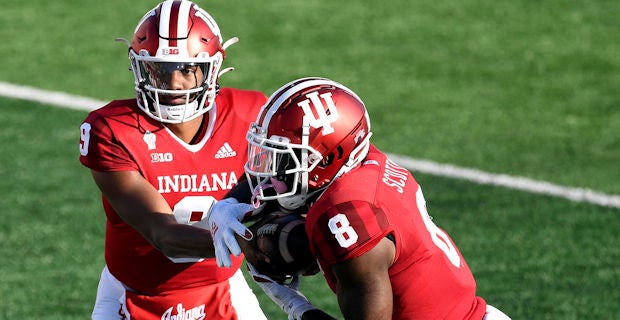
366 312
241 191
179 240
366 307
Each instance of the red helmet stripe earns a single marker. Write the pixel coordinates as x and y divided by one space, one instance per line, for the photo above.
173 24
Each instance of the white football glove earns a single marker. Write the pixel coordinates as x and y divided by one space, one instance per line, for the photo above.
224 221
286 296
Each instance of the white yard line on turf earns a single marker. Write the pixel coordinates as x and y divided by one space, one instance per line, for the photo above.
55 98
511 182
65 100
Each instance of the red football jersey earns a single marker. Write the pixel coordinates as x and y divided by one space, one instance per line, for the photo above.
429 277
119 136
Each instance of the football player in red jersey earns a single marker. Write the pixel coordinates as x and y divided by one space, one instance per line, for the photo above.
161 161
367 221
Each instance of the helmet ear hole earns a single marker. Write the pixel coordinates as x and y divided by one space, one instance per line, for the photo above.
340 152
329 159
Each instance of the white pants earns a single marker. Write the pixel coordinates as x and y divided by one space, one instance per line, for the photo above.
494 314
111 298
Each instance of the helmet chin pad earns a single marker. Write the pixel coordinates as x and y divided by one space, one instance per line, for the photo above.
195 104
181 112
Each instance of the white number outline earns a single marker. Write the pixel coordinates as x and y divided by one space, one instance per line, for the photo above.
439 237
342 230
182 212
84 138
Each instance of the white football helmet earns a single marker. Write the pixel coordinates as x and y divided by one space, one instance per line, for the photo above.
176 35
310 131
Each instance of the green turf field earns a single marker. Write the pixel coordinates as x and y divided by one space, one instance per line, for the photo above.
525 88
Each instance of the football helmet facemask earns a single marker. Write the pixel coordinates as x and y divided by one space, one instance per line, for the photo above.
310 131
177 36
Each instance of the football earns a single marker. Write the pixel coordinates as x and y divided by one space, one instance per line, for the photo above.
282 237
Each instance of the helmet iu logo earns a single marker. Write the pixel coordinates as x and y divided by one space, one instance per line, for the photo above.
324 117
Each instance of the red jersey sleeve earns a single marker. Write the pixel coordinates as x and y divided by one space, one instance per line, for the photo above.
99 148
346 231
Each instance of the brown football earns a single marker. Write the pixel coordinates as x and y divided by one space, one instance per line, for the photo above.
282 237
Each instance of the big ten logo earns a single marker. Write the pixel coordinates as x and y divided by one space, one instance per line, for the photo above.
161 157
170 51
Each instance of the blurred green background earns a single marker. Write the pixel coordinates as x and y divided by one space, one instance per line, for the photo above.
526 88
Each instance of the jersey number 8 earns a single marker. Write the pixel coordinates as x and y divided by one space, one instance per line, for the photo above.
346 236
343 231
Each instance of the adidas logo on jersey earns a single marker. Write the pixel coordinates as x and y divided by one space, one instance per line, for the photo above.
225 152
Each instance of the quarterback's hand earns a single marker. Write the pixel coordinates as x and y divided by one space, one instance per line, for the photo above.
224 221
285 296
